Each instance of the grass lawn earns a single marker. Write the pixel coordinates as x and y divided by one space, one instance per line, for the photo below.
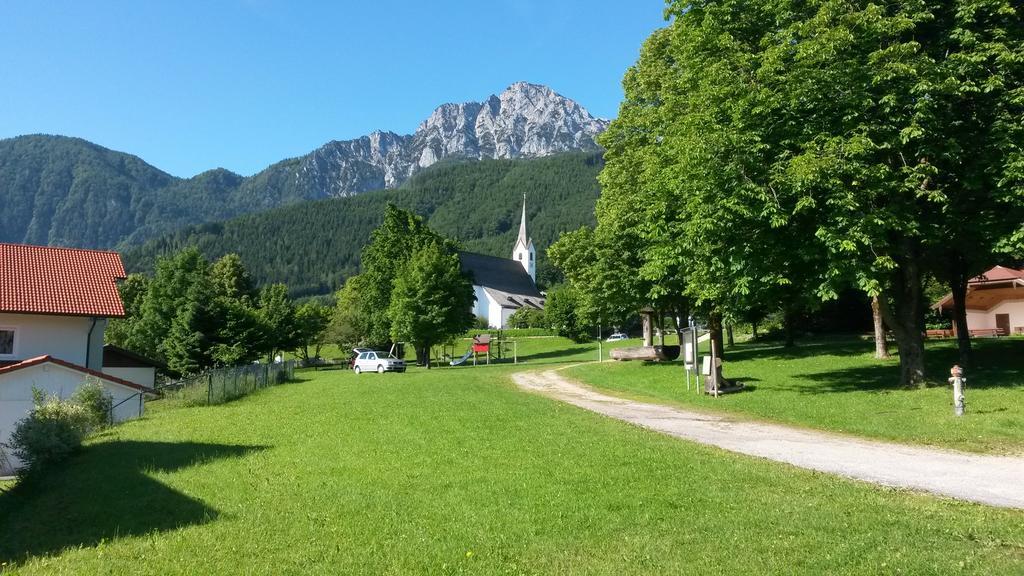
835 384
455 471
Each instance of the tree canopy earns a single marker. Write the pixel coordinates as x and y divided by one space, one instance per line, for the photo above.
192 315
432 299
775 153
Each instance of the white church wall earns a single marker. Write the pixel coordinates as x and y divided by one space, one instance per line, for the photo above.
505 313
480 308
494 314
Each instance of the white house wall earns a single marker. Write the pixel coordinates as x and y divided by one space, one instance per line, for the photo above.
16 396
980 320
987 319
62 337
139 375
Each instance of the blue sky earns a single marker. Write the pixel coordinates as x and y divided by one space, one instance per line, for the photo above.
192 85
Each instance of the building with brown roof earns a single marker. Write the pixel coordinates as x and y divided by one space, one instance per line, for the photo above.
995 302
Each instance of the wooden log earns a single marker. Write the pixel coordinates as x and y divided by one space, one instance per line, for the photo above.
634 353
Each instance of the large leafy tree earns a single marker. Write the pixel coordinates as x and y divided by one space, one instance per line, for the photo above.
193 315
350 325
399 236
278 314
432 300
167 294
311 319
191 337
230 279
777 150
123 332
561 313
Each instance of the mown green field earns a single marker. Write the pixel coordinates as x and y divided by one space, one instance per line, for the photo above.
454 471
836 384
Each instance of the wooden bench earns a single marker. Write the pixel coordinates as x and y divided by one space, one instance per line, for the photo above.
986 332
938 333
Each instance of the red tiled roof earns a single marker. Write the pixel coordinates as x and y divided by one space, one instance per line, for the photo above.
44 359
997 274
60 281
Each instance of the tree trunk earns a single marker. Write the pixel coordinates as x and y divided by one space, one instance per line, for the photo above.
958 285
789 327
647 330
426 347
731 340
881 346
715 330
753 329
900 304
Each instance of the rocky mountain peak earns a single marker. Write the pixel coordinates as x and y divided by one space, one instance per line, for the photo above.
525 120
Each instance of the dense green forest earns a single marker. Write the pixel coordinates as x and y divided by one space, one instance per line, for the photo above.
314 246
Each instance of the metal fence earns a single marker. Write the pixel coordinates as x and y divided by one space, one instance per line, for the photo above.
225 384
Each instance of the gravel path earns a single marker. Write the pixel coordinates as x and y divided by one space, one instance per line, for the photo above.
993 480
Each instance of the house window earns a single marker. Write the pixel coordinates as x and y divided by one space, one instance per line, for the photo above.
7 341
531 256
520 256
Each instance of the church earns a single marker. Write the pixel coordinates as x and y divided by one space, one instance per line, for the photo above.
503 285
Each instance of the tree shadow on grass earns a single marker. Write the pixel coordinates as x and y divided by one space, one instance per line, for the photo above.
996 365
804 349
104 493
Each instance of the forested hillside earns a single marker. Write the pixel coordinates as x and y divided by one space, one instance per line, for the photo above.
314 246
66 191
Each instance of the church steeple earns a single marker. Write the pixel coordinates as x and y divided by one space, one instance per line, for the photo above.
522 225
524 252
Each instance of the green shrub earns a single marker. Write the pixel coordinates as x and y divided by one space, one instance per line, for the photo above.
527 318
97 402
53 430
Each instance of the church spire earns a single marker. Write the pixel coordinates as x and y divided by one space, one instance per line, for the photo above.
523 239
524 252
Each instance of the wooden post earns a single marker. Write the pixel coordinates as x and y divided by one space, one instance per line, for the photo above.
958 380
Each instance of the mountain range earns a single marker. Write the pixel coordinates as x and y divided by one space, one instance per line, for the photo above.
66 191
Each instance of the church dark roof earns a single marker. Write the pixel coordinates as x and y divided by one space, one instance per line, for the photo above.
501 274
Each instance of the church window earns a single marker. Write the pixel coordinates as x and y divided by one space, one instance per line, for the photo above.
520 256
531 256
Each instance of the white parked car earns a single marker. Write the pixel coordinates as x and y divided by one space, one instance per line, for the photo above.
377 361
616 337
